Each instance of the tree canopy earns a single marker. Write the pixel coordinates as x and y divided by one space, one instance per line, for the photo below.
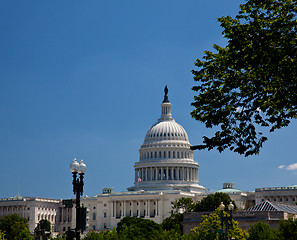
137 228
14 227
212 201
261 231
210 226
251 83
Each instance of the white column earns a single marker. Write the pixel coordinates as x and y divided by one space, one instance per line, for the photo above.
177 173
151 173
148 208
167 173
124 208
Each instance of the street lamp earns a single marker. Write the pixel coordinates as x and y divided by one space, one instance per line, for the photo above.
78 185
226 219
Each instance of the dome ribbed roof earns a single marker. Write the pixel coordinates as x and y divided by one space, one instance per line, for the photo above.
166 130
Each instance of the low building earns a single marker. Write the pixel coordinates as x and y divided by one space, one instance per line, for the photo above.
286 195
35 209
270 213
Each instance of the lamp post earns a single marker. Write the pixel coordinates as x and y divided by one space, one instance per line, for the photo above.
226 219
78 185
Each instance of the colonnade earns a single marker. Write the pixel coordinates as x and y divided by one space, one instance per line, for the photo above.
138 208
166 173
165 154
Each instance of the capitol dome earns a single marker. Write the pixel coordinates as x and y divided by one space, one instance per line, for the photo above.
166 160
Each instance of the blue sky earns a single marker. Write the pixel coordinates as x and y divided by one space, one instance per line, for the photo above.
85 79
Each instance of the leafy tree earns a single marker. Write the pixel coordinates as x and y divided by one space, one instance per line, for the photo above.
14 227
287 229
43 228
102 235
261 231
138 228
212 201
183 204
2 236
210 226
174 222
251 83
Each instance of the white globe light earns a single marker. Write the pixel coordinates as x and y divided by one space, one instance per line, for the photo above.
82 167
231 207
222 206
74 166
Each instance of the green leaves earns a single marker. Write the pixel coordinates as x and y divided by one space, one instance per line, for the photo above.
252 82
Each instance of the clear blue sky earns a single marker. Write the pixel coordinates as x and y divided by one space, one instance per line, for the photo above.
85 79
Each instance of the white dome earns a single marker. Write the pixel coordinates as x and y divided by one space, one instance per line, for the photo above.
166 130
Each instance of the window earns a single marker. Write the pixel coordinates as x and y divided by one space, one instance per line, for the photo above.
164 154
94 207
169 154
159 154
105 214
94 216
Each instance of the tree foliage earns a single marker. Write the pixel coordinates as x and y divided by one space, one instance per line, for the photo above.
252 82
102 235
212 201
183 205
138 228
174 222
261 231
210 226
14 227
287 229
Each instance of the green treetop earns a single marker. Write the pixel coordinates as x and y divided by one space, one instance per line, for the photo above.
252 82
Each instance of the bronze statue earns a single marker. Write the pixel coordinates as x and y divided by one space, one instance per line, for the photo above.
165 96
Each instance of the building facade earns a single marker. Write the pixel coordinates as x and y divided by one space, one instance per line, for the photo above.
285 195
35 209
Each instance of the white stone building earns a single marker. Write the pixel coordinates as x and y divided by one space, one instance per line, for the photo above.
35 209
285 195
165 172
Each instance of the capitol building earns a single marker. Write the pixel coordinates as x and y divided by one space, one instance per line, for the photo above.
165 172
